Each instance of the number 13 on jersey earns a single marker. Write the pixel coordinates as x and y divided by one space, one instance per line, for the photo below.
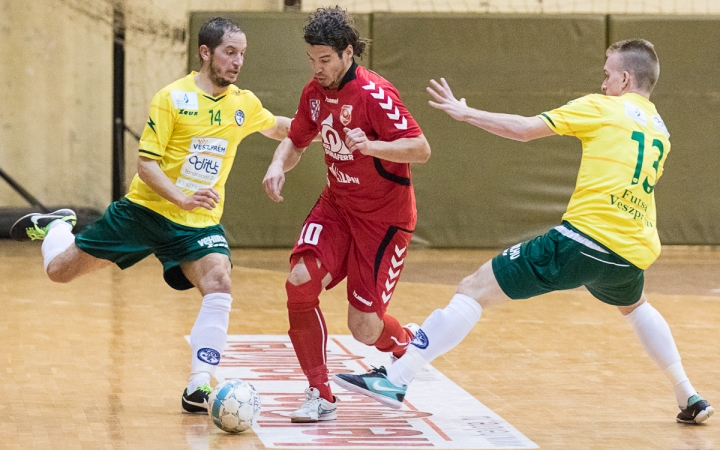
639 137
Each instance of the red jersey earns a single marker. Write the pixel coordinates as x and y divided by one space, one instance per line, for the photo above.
363 185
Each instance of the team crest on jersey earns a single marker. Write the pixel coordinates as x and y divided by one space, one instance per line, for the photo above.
346 114
315 109
239 117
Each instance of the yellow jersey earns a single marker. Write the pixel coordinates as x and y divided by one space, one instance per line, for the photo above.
194 138
624 146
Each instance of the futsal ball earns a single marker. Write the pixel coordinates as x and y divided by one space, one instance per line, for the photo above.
234 405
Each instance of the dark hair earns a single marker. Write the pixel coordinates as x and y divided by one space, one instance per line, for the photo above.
638 58
212 32
335 28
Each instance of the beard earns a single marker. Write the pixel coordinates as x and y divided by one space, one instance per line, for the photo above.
215 76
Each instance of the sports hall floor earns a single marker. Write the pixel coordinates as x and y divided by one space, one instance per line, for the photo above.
101 363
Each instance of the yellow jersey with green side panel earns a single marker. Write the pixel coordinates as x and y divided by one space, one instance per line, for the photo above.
624 146
194 138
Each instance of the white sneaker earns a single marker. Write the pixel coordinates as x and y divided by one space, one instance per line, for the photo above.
412 328
315 408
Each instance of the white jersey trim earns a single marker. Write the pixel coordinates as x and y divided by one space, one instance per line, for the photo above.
577 237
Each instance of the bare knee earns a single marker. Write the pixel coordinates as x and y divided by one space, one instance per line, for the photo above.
71 264
304 284
625 310
222 282
306 268
299 274
471 286
482 286
217 280
58 273
210 274
468 285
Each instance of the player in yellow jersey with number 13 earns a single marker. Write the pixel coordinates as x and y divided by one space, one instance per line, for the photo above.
607 239
176 199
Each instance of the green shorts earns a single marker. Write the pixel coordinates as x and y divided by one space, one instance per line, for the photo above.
564 258
128 232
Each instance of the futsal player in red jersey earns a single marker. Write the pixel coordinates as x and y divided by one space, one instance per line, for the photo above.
361 226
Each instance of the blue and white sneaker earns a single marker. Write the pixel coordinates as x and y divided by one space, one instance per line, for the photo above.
315 408
375 385
697 411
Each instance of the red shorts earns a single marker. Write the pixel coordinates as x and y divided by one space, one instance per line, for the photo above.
370 254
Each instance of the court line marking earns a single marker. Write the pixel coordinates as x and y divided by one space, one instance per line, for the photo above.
425 419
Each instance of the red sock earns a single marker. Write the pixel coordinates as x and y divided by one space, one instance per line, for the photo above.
318 378
394 338
308 332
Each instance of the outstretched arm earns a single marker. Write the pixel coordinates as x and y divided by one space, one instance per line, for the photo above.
280 130
511 126
150 172
285 158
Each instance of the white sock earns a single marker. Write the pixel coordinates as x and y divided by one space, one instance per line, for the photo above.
58 238
656 338
209 335
441 331
197 380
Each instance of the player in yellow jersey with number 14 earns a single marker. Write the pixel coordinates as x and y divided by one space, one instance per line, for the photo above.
607 239
176 199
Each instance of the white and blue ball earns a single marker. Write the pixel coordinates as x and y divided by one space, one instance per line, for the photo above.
234 405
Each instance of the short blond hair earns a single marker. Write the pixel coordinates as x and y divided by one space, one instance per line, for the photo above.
638 58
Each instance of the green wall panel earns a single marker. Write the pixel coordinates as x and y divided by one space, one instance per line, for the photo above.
276 69
688 98
479 190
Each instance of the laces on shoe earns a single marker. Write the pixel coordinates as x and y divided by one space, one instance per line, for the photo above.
378 371
310 395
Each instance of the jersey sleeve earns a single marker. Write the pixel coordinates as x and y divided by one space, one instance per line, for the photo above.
259 119
576 118
302 128
159 127
388 115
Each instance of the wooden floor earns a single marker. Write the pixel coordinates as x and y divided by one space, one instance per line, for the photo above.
100 363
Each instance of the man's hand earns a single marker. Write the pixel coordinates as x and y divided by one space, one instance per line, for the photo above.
446 101
356 139
274 181
207 198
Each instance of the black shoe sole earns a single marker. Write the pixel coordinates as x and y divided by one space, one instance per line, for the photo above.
193 409
18 232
